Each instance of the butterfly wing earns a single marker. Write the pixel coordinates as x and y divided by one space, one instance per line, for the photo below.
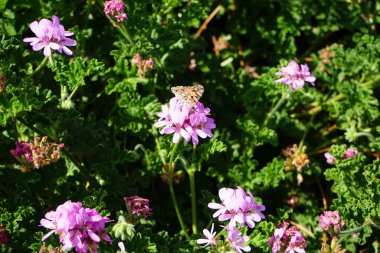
188 95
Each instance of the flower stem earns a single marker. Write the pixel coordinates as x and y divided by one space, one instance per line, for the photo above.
171 188
39 66
284 96
191 173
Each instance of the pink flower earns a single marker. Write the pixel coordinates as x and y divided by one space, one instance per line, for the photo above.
190 123
330 221
295 75
287 239
237 207
210 235
329 158
138 206
116 9
79 227
50 35
350 153
236 240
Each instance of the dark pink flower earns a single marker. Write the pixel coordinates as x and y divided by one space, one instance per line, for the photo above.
138 206
50 35
116 9
350 153
79 227
4 235
295 76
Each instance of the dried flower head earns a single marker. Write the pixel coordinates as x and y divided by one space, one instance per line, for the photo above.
36 154
138 206
296 158
4 235
144 66
49 249
3 80
219 44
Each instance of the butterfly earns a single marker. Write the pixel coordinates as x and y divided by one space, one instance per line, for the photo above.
188 95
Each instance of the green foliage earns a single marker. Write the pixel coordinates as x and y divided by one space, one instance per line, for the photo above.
97 104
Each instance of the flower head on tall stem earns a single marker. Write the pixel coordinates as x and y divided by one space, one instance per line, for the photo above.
115 8
190 123
50 36
295 75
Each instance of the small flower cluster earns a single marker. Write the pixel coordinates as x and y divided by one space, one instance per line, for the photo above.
237 207
180 119
348 154
138 206
116 9
331 222
287 239
50 35
144 66
79 227
4 235
295 76
296 159
36 154
3 81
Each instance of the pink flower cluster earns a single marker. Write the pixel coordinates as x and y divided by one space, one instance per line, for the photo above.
348 154
287 239
79 227
50 35
37 154
181 120
144 66
331 222
295 76
116 9
138 206
237 207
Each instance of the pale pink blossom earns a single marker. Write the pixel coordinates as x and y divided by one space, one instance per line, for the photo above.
210 237
50 35
115 8
237 242
295 76
331 222
329 158
181 120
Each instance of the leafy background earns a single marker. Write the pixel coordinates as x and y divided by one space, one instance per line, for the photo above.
110 144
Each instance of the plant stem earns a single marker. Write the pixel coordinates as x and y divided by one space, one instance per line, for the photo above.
307 231
284 96
191 173
171 188
39 66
